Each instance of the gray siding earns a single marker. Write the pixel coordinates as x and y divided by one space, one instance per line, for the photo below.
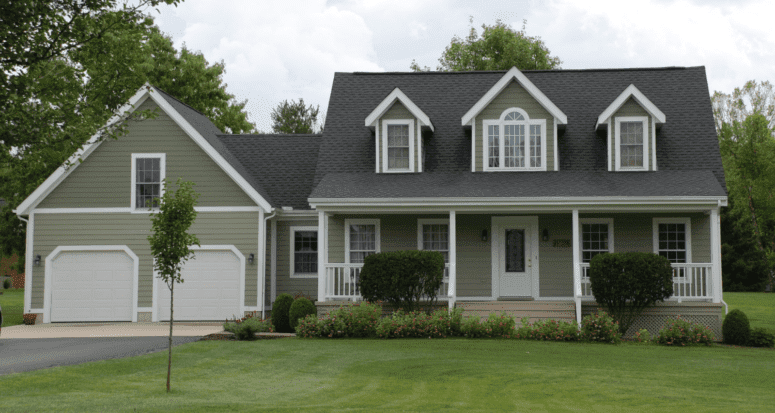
514 95
104 178
399 111
474 256
52 230
629 108
634 232
286 284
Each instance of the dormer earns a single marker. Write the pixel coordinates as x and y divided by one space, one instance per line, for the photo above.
631 122
397 124
514 127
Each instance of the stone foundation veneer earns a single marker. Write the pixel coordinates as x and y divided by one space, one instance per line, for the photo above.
144 317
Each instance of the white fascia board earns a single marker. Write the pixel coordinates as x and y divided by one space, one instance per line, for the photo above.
511 201
388 102
93 143
536 93
214 155
639 97
145 92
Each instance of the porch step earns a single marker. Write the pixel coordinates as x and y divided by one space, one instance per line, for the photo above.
516 299
534 310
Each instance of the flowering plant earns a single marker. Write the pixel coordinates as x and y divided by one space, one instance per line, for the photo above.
682 332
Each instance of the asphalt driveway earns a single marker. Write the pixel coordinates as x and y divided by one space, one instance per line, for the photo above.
27 354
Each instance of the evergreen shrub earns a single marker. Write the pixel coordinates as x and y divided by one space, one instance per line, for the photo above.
280 317
300 308
402 278
761 338
736 328
626 283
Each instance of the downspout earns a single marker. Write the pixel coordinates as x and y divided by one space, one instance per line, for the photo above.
263 268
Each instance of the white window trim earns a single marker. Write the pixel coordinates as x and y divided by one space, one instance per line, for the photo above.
162 176
501 122
292 248
385 123
347 223
609 221
421 222
617 142
682 220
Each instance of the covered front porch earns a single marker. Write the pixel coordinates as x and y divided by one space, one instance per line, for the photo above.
530 261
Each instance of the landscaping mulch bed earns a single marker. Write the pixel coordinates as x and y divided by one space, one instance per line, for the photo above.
227 336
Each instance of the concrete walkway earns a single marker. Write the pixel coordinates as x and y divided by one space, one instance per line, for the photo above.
69 330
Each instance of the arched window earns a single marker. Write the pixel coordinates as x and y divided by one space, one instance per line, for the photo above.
514 142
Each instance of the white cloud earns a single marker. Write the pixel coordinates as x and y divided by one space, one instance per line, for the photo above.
277 51
287 49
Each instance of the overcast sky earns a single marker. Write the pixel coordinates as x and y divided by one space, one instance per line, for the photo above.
276 50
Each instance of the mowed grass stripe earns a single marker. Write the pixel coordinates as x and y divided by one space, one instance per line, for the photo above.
408 375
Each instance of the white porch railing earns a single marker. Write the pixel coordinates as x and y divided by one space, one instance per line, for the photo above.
342 282
690 281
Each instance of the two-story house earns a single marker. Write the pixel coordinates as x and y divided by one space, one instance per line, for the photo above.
518 178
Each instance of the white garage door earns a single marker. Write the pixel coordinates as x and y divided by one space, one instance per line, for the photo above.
92 286
210 288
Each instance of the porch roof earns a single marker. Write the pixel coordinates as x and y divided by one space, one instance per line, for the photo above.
528 185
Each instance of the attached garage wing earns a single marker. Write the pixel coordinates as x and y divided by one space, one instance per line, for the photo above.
212 288
92 285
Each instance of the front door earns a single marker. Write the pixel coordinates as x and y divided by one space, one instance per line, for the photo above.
514 241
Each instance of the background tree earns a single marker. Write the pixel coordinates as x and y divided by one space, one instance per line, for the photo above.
498 48
67 66
296 117
170 242
745 122
744 267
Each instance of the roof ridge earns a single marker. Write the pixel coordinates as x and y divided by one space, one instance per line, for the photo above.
180 101
625 69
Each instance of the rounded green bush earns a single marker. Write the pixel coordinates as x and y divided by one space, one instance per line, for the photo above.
736 328
7 284
300 308
280 310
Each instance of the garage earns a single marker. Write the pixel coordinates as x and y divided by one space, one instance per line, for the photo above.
91 285
211 289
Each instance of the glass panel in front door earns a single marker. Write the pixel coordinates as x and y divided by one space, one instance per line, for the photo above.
515 250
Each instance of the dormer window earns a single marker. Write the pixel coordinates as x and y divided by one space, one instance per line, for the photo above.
515 142
398 145
631 143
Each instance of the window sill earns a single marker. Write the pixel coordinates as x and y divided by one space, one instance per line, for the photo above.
514 170
305 275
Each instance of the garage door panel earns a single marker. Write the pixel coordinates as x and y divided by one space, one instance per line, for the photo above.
210 291
92 286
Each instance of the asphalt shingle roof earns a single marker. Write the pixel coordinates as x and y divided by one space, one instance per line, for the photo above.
209 131
283 164
686 143
527 185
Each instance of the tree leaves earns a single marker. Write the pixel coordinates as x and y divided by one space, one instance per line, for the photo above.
295 117
499 48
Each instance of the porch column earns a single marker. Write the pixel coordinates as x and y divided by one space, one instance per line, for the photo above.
322 254
715 253
452 289
261 262
576 266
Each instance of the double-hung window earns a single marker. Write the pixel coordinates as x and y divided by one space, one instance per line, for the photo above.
672 239
148 172
632 149
597 237
514 142
433 235
398 145
361 239
304 254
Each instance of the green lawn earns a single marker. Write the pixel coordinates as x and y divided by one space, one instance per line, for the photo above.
759 307
12 302
408 375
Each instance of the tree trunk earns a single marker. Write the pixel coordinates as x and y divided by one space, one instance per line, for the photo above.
169 359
